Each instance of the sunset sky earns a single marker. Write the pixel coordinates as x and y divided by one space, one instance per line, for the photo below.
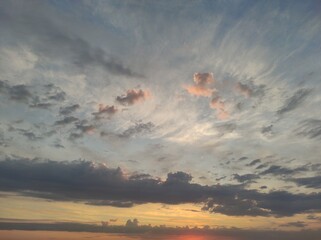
176 113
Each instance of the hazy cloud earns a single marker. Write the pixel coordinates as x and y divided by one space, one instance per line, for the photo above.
46 38
294 101
202 85
244 89
310 128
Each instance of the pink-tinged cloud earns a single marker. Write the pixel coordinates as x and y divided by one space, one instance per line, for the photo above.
217 104
201 86
244 89
105 110
133 96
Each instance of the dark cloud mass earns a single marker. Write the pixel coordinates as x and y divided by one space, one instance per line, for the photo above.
95 183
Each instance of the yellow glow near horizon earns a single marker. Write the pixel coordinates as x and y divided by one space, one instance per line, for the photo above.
33 209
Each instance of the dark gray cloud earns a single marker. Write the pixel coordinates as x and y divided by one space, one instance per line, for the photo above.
310 182
69 109
254 162
19 93
138 129
245 177
295 101
310 128
35 26
42 97
66 120
279 170
95 183
133 96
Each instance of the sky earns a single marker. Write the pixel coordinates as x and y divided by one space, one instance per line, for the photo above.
169 114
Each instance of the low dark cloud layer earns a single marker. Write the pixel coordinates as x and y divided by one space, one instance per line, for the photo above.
95 183
163 232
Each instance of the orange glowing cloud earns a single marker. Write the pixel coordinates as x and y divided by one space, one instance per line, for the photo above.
133 96
220 108
201 86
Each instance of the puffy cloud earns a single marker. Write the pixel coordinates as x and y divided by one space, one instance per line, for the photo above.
201 86
133 96
217 104
105 110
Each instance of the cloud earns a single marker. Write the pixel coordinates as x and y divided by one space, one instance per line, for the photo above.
310 182
133 96
164 232
245 177
138 129
105 110
201 86
118 204
254 162
298 224
68 109
279 170
310 128
295 101
91 182
244 89
18 93
217 104
66 120
46 38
